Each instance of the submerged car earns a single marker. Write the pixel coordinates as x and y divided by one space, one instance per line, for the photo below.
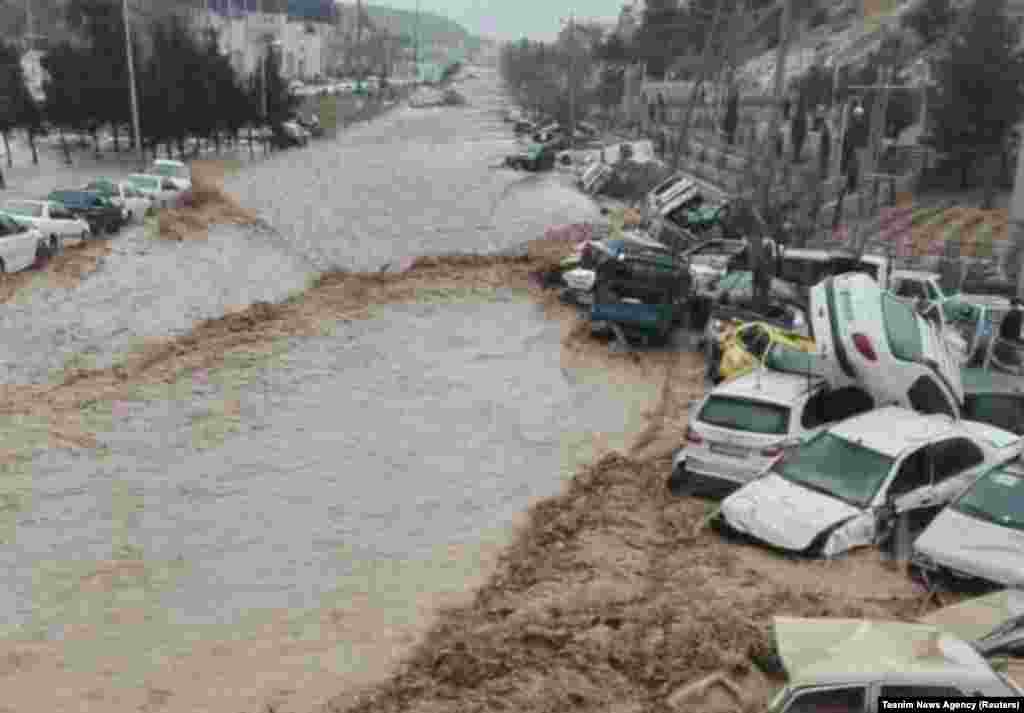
980 536
741 347
536 157
742 428
868 336
846 665
844 488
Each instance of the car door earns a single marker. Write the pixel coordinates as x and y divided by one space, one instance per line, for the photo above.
829 699
955 463
827 407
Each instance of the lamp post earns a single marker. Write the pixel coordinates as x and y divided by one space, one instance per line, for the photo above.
271 46
131 81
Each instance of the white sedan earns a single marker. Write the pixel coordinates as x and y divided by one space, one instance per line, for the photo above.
19 245
160 189
53 220
845 487
178 173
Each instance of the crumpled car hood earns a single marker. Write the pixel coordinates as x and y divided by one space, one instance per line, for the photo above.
783 514
974 547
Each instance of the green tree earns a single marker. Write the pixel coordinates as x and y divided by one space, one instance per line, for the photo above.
14 96
979 92
930 20
66 90
281 103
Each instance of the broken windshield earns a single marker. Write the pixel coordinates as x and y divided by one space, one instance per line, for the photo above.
997 497
837 467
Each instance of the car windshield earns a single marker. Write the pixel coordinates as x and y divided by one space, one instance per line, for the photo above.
1005 411
740 414
996 497
834 466
902 328
31 210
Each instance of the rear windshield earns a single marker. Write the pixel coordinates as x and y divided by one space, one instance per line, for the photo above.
34 210
1005 411
996 497
837 467
745 415
903 329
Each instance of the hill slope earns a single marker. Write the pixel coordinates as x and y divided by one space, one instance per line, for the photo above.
435 30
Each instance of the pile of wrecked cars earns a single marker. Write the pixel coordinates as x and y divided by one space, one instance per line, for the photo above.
887 424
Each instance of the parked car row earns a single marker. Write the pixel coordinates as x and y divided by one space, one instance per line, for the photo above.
33 230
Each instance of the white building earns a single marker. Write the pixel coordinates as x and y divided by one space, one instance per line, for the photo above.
248 29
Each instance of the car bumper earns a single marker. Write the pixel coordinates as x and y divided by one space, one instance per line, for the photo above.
709 477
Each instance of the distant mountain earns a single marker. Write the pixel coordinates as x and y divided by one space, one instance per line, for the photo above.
434 30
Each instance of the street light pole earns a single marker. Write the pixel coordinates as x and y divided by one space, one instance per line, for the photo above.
131 80
572 80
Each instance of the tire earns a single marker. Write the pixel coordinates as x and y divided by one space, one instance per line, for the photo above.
84 236
111 228
55 245
678 482
713 363
3 267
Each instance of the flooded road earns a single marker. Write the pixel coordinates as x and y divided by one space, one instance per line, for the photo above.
283 528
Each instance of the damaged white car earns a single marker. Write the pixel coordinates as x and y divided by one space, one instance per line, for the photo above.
868 336
844 487
846 665
981 534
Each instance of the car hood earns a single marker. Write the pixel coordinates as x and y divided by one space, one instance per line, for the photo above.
975 547
783 514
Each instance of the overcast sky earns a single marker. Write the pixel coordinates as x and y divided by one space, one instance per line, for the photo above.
511 19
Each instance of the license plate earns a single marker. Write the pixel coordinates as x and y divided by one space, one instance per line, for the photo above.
726 450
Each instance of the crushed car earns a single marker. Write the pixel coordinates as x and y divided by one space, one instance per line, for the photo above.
535 157
845 487
867 335
980 536
846 665
642 296
580 269
739 430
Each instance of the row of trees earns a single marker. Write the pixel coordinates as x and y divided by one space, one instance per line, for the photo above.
186 87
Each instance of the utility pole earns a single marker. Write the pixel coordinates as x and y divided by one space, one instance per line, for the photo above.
131 80
572 80
416 51
29 25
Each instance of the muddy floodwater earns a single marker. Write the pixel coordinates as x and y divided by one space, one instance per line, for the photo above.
284 527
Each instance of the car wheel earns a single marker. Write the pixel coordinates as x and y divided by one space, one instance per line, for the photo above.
111 228
680 483
55 245
84 236
3 267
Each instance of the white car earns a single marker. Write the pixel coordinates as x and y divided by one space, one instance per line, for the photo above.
867 335
980 536
57 224
130 199
844 488
19 245
178 173
160 189
739 430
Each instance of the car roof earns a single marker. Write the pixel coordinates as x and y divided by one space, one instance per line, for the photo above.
987 381
892 429
922 274
821 651
770 386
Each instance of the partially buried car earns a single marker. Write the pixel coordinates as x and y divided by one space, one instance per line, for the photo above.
868 336
845 487
845 665
980 536
742 428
